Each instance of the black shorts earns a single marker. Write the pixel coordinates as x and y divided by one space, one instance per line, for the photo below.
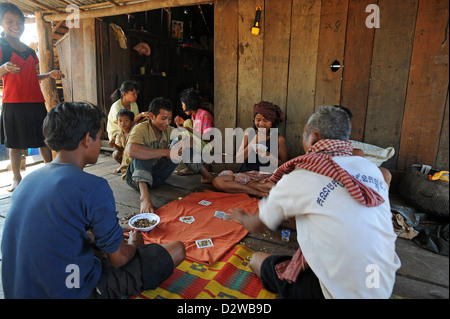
307 285
151 265
21 125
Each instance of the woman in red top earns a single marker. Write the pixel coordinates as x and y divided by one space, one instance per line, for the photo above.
23 109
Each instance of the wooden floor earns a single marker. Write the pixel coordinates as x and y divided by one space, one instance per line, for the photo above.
423 274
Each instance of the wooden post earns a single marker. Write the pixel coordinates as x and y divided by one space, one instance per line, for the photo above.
46 62
128 8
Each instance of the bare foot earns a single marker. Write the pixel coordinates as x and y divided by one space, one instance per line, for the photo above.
258 193
184 172
265 187
258 189
207 180
14 184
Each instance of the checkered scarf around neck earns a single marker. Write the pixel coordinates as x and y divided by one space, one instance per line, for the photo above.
319 160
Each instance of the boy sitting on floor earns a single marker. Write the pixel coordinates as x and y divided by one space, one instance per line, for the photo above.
125 120
147 159
58 210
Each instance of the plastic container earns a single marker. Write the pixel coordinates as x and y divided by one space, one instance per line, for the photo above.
285 234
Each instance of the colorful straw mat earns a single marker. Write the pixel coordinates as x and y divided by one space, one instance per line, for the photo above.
228 278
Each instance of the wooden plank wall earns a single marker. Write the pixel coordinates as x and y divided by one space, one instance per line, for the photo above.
113 62
394 78
77 52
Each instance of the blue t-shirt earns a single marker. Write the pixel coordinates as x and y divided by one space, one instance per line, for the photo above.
45 248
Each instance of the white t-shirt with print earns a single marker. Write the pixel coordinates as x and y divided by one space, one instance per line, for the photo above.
349 247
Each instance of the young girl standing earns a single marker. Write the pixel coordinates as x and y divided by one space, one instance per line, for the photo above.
23 110
124 98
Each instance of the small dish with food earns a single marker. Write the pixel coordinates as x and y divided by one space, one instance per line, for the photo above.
144 222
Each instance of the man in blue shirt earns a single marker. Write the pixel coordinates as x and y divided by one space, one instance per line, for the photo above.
58 212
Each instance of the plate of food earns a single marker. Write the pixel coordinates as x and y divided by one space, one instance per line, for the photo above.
144 222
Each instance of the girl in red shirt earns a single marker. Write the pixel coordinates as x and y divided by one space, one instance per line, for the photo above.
23 109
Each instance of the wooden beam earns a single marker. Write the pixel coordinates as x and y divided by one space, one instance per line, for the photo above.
46 61
129 8
114 3
56 27
44 6
68 4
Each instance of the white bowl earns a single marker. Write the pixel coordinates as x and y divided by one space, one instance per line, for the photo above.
149 216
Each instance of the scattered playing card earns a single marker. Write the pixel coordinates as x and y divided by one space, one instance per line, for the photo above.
187 219
204 202
219 214
259 146
203 243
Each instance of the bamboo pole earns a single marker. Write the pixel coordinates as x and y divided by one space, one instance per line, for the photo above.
126 9
46 60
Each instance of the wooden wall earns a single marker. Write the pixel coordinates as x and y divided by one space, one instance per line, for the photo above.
113 62
76 52
394 78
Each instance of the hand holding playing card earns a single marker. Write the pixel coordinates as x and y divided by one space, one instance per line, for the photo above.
261 150
237 215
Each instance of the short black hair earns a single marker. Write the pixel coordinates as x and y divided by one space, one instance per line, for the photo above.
191 99
67 124
125 112
160 103
9 7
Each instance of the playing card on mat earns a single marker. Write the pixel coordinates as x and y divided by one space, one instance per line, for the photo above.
187 219
204 202
203 243
219 214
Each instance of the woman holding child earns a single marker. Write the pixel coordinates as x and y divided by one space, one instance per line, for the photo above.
124 98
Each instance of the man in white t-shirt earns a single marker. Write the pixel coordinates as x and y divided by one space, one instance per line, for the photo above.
344 225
